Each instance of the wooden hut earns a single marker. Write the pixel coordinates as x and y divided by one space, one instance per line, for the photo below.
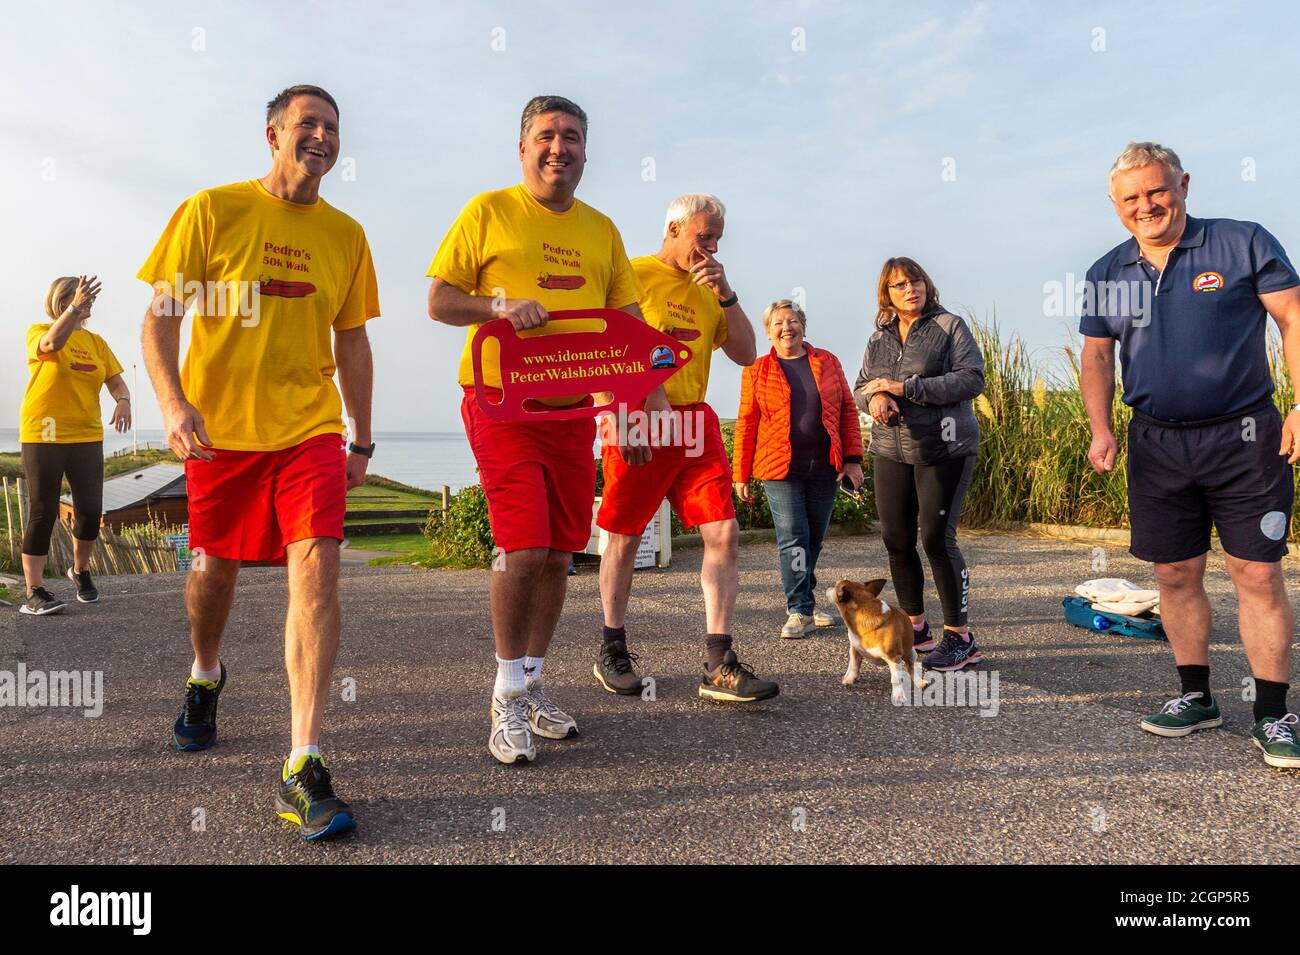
153 493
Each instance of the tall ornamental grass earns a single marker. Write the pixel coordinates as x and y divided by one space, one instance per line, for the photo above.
1033 458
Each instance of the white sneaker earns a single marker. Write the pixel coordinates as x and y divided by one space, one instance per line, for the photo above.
798 626
511 741
545 718
823 619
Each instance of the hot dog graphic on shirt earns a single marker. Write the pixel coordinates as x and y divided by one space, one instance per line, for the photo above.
284 288
549 281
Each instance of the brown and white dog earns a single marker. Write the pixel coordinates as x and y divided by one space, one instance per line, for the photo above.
878 631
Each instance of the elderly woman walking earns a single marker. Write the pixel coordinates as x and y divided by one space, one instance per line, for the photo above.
62 434
797 431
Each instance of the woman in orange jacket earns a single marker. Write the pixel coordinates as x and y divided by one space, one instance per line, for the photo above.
797 431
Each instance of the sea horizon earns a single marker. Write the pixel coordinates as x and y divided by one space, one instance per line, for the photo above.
424 459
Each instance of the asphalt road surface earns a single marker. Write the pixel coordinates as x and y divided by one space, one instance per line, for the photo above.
823 773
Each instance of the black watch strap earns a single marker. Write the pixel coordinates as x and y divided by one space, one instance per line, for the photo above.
728 302
359 449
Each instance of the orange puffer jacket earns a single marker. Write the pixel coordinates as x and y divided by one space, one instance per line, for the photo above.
762 445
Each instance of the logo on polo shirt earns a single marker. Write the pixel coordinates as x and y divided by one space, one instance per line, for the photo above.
1207 282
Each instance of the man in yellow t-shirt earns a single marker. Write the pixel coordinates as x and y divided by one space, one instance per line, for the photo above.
517 253
62 435
685 294
272 271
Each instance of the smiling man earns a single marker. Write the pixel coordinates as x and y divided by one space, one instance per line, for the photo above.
685 294
1188 301
517 254
258 421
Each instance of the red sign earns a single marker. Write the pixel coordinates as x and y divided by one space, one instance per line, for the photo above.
622 362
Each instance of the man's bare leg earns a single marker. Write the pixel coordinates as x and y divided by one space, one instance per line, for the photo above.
527 590
719 575
1185 610
311 633
552 584
513 593
617 565
1264 617
1185 613
209 594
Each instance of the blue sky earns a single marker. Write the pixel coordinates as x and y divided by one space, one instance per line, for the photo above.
830 158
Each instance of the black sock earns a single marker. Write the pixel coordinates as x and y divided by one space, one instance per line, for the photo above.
1270 699
615 633
1196 678
717 645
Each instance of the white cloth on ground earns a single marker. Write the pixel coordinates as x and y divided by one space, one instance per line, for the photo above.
1114 595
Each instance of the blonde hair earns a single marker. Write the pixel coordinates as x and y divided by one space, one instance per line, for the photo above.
782 304
59 297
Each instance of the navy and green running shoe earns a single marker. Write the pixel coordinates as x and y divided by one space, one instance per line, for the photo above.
1276 739
306 798
196 727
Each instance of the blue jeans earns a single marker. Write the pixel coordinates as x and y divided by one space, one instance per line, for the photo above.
801 510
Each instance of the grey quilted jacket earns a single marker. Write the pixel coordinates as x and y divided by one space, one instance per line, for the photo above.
942 369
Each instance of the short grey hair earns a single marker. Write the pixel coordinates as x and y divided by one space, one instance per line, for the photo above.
782 304
1137 155
692 204
550 104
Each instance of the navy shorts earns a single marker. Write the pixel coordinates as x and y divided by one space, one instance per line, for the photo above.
1183 478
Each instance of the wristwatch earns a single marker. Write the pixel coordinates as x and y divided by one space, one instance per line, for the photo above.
728 302
364 451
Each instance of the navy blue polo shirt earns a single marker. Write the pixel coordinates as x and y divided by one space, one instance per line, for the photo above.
1191 338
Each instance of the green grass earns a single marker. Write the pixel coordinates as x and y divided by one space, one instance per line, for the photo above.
412 550
126 463
399 543
371 497
6 596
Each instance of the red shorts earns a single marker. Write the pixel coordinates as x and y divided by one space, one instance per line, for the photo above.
247 505
539 477
694 474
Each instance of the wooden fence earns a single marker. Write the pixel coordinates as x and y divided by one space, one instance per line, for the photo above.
139 549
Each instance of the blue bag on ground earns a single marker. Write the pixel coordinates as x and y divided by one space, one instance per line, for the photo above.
1080 613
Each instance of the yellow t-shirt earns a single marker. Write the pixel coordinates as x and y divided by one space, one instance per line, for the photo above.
61 404
674 304
260 366
507 243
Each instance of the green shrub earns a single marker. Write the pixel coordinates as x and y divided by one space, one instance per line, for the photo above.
462 536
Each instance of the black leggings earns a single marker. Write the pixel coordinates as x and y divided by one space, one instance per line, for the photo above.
45 465
928 495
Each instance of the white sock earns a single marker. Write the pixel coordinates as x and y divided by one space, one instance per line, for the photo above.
510 678
299 752
533 668
212 676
